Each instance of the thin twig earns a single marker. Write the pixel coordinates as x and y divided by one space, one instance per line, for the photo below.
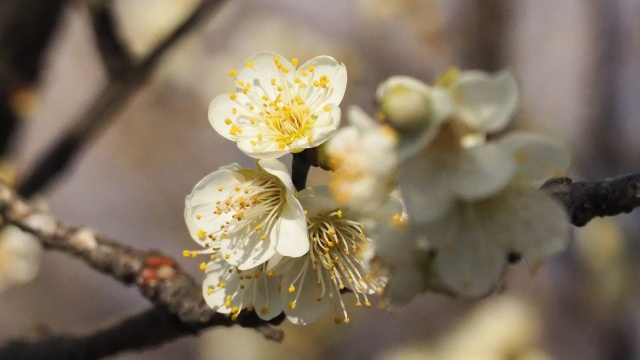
114 53
110 100
158 277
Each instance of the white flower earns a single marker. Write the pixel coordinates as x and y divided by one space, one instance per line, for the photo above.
363 159
456 162
278 107
19 257
228 290
247 215
473 239
312 285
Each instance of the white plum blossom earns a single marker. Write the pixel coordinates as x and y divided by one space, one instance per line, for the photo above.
247 215
279 107
363 159
312 284
473 239
228 290
448 158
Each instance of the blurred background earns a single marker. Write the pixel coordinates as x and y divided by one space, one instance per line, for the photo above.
578 64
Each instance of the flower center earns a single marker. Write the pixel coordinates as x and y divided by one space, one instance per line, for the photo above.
289 123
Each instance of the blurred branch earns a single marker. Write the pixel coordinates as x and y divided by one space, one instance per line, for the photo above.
158 277
114 53
109 101
484 31
26 28
148 329
587 200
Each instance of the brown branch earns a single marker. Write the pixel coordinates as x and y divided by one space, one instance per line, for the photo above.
158 277
587 200
110 100
148 329
114 53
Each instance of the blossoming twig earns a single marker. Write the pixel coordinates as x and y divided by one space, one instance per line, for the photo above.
110 99
159 278
587 200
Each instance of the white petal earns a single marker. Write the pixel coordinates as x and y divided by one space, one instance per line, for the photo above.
469 261
202 200
264 69
216 273
326 126
486 102
220 109
279 170
247 250
483 170
337 74
290 235
317 200
425 182
308 309
360 119
263 149
267 302
538 157
527 221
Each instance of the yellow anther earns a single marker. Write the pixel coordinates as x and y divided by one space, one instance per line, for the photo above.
279 88
310 68
186 253
367 303
327 108
271 273
305 212
285 70
240 83
339 213
292 288
292 305
235 310
194 253
233 72
265 98
263 237
346 320
209 291
232 96
235 130
359 304
276 59
259 227
294 62
263 310
250 64
332 231
198 216
227 301
234 317
259 137
213 257
273 81
237 188
201 234
316 83
227 121
203 266
227 256
282 145
253 143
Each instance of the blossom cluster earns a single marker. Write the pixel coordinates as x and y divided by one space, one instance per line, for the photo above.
425 197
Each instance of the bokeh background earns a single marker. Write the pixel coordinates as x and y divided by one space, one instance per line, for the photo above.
578 64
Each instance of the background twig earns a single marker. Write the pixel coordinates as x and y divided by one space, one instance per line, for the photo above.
109 101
